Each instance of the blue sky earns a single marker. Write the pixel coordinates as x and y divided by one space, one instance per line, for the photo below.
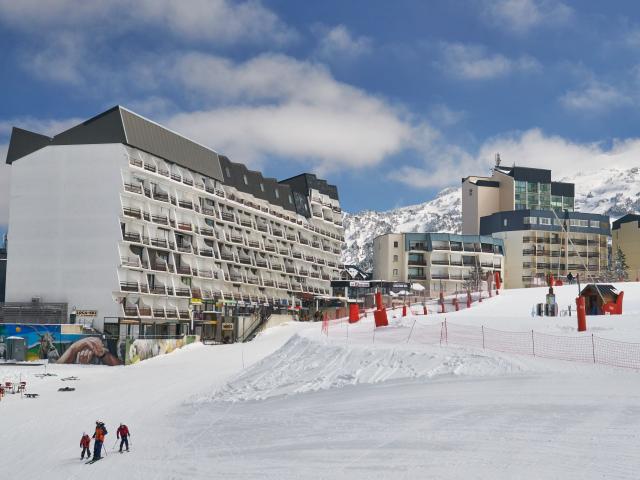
390 101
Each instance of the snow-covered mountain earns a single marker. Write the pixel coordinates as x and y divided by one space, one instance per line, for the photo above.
610 191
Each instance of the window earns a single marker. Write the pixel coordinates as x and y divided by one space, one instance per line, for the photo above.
395 244
530 220
395 272
245 179
471 192
574 222
290 199
262 187
504 222
545 221
594 223
395 258
227 171
277 193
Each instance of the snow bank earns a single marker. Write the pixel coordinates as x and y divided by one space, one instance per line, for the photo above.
305 365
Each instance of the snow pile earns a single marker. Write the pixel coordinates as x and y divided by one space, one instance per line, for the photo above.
305 365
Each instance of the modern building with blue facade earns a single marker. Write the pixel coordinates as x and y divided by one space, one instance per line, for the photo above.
535 218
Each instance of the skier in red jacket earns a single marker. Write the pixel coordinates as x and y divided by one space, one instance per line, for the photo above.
123 434
85 442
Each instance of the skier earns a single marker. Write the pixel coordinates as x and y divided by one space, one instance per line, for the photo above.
99 434
85 443
124 434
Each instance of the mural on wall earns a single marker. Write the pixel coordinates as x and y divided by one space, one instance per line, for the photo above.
66 344
143 349
59 344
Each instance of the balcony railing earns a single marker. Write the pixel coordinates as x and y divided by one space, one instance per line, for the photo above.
228 216
132 212
129 287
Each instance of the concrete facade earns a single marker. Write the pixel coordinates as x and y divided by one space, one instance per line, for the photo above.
438 261
135 239
625 235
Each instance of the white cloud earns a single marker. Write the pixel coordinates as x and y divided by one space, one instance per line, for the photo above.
595 97
521 16
219 21
474 62
339 43
445 164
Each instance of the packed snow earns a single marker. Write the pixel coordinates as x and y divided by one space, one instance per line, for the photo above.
355 403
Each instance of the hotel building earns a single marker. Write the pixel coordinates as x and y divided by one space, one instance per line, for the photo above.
134 225
535 219
438 261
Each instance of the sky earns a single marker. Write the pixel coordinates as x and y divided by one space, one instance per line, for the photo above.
390 101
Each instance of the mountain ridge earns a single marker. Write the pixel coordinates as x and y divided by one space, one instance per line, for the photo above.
609 191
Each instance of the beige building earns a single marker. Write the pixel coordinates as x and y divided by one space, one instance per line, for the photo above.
626 236
535 218
438 261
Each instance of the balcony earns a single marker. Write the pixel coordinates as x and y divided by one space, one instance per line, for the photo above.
228 216
131 311
185 226
283 251
254 243
159 313
135 162
292 238
440 276
261 263
184 315
158 290
296 254
320 261
206 252
161 196
132 212
207 232
289 269
183 292
185 204
235 278
253 280
129 287
160 219
309 258
283 285
276 266
270 248
263 227
132 237
268 283
150 168
277 233
226 256
441 262
245 260
130 261
133 188
246 223
183 270
184 248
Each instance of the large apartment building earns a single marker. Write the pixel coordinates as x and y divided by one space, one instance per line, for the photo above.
137 225
625 235
535 219
438 261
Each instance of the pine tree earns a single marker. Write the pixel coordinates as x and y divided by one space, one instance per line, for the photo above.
475 276
620 266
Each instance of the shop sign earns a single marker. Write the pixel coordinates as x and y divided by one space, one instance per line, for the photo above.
86 313
359 284
227 327
196 301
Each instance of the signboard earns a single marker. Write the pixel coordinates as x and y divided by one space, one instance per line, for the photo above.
360 284
227 326
86 313
196 301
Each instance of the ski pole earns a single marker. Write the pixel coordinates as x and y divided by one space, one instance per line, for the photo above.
114 445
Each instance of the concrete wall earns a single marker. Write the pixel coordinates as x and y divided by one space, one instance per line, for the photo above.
477 202
64 227
512 262
383 254
627 238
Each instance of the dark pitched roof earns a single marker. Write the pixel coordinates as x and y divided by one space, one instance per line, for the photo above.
119 125
628 218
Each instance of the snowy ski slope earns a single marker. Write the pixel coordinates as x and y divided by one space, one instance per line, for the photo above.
296 403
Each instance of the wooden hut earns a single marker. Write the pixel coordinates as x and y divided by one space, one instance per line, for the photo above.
601 299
